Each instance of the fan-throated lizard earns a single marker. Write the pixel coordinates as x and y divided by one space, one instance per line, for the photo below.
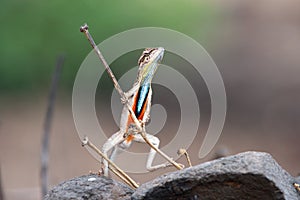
139 99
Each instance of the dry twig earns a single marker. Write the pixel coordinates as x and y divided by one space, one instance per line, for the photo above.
47 125
84 29
112 166
185 153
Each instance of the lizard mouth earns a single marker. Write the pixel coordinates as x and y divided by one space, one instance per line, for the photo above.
160 52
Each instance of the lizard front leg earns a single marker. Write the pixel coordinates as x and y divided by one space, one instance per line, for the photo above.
129 94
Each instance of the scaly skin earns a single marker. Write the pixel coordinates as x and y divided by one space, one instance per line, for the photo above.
139 99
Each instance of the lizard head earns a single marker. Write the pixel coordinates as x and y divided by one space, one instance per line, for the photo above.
148 63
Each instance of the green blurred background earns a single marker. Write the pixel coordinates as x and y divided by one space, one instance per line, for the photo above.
255 45
36 32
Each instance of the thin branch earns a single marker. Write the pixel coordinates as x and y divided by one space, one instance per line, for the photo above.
47 125
84 29
118 171
185 153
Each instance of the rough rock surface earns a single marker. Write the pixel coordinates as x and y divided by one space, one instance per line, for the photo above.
89 187
249 175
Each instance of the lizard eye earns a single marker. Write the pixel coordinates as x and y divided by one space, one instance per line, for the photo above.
143 60
145 56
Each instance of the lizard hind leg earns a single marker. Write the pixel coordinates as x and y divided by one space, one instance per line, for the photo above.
111 143
118 149
155 141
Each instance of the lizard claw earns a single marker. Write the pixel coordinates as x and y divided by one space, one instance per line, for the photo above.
124 100
167 164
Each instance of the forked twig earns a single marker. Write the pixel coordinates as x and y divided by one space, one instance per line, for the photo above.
185 153
84 29
112 166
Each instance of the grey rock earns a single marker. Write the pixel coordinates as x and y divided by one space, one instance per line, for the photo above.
249 175
89 187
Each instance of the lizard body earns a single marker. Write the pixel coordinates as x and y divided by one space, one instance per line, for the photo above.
139 98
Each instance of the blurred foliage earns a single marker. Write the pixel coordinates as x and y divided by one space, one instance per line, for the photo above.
35 32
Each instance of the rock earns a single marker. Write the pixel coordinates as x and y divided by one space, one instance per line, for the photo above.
297 184
89 187
249 175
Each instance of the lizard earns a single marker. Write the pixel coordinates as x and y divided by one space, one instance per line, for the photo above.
139 99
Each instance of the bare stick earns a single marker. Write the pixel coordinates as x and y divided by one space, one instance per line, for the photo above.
47 125
118 170
185 153
84 29
123 178
113 170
